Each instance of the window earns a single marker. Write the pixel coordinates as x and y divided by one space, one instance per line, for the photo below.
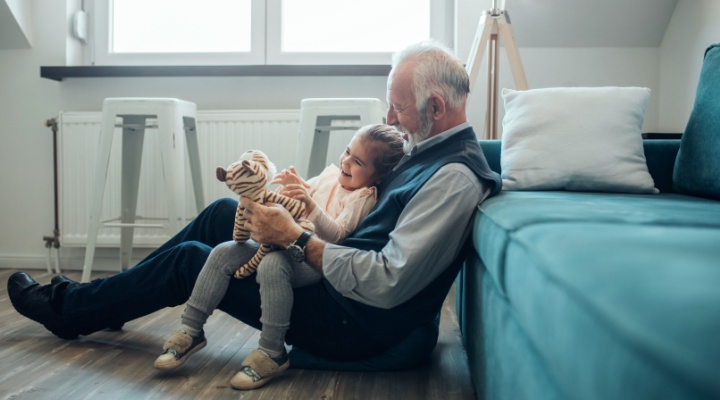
140 26
174 32
217 32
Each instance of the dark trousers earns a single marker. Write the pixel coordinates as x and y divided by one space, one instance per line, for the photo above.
166 277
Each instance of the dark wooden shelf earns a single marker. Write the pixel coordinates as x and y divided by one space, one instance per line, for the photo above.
662 135
58 73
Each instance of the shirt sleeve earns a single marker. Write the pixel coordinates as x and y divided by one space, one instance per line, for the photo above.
335 230
427 237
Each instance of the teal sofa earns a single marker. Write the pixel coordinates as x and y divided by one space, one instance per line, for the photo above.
580 295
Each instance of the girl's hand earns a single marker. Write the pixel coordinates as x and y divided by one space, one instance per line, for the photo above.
288 177
300 192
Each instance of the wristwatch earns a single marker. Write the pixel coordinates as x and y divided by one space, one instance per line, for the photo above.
297 248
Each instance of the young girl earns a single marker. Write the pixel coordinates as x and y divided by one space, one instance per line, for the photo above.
336 201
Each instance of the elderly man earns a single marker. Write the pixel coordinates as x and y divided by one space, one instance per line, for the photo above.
385 280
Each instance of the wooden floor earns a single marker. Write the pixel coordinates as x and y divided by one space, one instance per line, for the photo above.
34 364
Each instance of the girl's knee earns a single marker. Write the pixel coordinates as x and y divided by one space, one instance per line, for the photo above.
233 251
225 249
273 266
229 256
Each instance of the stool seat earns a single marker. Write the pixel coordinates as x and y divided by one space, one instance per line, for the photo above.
174 121
316 124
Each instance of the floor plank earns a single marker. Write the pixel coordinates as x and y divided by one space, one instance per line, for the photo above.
34 364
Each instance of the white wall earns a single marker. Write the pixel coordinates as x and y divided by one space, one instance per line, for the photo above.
551 67
561 66
693 27
26 100
26 151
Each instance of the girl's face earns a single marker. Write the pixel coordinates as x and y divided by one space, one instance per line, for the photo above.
357 165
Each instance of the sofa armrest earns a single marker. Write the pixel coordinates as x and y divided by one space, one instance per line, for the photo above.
660 155
491 150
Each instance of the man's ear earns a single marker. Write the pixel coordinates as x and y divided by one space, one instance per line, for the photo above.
437 106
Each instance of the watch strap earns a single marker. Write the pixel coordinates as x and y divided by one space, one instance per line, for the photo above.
303 240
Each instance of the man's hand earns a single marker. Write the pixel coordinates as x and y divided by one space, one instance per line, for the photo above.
270 223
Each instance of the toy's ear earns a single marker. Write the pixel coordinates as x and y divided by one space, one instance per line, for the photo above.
221 174
248 167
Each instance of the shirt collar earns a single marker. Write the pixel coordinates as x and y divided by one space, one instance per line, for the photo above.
428 143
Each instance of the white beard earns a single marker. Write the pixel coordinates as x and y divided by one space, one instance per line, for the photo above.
424 128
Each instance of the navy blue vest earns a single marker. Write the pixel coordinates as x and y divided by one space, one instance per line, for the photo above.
392 325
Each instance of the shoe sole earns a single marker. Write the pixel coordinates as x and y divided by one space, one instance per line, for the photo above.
61 332
261 382
167 366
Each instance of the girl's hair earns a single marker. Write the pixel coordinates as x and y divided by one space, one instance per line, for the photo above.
441 72
388 146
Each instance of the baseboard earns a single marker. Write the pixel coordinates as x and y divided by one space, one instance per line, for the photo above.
71 259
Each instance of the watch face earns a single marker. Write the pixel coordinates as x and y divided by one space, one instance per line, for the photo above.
296 253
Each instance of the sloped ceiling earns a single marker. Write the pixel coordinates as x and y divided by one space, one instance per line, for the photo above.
14 24
589 23
536 23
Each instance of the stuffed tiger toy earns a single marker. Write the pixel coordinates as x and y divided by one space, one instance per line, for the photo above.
248 177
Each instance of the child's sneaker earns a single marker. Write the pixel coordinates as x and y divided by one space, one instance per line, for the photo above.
258 369
178 348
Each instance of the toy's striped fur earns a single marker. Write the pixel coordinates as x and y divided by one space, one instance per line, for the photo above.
249 177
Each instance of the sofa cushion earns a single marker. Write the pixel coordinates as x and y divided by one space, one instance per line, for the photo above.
697 169
584 139
500 217
620 311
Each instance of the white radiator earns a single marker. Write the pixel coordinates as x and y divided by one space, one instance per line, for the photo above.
222 137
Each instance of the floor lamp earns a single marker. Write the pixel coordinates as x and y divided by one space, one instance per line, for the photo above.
494 24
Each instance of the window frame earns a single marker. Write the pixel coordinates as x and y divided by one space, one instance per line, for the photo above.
440 10
265 42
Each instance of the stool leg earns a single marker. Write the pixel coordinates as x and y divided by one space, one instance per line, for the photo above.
132 149
172 151
102 158
308 120
318 153
191 143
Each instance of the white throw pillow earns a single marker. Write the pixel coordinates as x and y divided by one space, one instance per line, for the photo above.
583 139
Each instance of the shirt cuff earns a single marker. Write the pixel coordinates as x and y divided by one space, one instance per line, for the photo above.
337 268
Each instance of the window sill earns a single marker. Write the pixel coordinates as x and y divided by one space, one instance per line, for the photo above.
59 73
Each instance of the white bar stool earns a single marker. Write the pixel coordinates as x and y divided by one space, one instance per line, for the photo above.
173 117
316 117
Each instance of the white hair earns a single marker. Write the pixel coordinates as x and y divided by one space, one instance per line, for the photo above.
438 71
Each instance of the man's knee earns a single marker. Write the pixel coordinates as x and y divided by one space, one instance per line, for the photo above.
223 206
191 256
187 261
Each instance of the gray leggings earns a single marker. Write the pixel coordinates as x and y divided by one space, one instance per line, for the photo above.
277 275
